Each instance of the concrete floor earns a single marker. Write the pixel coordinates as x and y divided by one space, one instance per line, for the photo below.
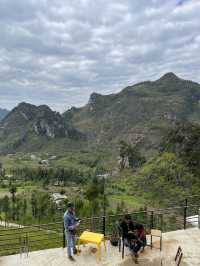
189 240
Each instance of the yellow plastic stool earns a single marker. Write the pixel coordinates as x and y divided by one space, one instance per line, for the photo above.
93 238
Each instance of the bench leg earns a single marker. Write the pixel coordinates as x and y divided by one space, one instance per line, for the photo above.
119 243
122 249
160 243
79 242
104 244
99 251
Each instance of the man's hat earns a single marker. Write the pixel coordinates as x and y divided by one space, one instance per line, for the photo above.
70 205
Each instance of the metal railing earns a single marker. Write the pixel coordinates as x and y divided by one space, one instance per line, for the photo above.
39 237
52 235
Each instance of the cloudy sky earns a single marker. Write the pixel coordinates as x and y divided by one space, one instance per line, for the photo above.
58 52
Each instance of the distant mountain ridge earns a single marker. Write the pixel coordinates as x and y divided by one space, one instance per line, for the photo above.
3 113
31 127
139 114
42 119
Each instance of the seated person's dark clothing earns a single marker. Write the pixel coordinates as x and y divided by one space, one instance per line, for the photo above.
141 234
126 228
130 233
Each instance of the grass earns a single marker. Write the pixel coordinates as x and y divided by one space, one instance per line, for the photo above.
130 201
16 161
20 189
83 159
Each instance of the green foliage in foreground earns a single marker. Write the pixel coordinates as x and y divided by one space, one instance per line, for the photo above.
169 176
184 140
164 180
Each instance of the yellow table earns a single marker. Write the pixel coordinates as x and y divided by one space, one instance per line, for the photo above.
93 238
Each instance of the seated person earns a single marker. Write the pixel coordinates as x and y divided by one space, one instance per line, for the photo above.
141 235
131 235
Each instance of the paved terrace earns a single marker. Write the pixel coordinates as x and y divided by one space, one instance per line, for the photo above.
189 240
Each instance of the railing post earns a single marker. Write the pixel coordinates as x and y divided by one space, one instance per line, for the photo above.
64 240
104 225
162 222
185 213
199 218
146 218
152 220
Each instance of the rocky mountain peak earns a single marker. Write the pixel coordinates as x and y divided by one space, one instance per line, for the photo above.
168 77
31 126
94 97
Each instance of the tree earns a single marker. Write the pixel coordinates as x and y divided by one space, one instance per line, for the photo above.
184 141
6 207
121 208
52 210
123 153
92 193
34 205
45 183
13 191
130 156
18 208
43 205
2 171
99 170
24 207
135 159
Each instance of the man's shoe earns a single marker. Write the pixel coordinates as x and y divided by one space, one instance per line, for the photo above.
71 258
136 258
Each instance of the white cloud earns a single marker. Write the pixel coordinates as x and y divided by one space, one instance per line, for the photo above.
58 52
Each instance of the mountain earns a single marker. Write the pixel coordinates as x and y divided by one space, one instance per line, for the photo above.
139 114
29 127
3 113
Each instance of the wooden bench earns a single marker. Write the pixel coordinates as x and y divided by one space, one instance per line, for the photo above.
158 234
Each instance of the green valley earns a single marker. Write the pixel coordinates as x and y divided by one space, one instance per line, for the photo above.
140 148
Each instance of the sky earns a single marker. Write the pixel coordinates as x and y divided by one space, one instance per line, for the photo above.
57 52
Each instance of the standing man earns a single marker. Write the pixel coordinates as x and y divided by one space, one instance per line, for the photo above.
70 224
